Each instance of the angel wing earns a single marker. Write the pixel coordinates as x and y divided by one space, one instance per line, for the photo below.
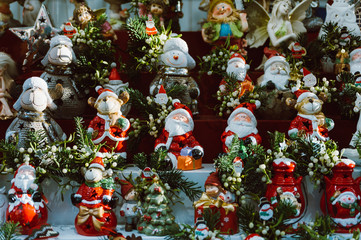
258 19
297 15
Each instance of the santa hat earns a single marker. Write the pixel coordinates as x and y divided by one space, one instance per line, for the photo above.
176 43
308 76
236 57
200 220
357 50
55 41
97 162
24 166
114 75
215 2
254 236
302 94
147 173
247 108
104 92
213 180
183 109
126 187
268 52
161 91
284 164
35 82
274 59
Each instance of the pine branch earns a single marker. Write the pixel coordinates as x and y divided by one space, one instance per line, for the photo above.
212 218
9 231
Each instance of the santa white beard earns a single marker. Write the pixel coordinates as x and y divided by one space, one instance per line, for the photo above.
176 127
355 66
278 77
242 129
239 73
23 182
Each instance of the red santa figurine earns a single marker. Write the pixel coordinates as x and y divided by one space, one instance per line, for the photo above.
177 135
95 201
243 123
310 120
110 126
27 206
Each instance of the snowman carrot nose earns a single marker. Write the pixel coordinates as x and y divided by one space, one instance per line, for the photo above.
175 57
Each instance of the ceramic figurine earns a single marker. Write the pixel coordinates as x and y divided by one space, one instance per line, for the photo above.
30 11
109 126
27 205
8 72
237 67
57 63
117 86
285 187
355 61
95 201
118 16
254 236
342 62
312 22
282 27
156 215
3 205
201 229
243 124
224 21
342 13
309 79
176 62
276 73
310 120
210 199
31 106
341 200
357 108
177 137
6 16
265 209
69 30
156 8
161 97
130 208
150 26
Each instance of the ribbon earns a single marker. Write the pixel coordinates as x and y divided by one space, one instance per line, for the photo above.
206 201
85 213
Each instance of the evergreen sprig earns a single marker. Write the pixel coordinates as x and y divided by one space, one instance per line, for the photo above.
321 228
9 231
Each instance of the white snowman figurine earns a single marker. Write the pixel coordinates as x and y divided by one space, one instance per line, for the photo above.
57 70
176 62
265 209
201 231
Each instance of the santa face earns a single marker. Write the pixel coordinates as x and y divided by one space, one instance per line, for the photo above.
34 99
24 179
237 69
131 195
93 175
60 55
178 125
212 191
108 105
355 63
174 58
161 98
156 9
221 11
242 125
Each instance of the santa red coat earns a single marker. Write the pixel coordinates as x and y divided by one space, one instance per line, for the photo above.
114 136
256 138
309 124
92 211
177 143
29 214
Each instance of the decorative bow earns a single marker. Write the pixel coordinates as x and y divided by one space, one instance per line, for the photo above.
85 213
206 201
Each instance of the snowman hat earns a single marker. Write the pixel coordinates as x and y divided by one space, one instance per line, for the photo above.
200 220
97 162
183 109
247 108
35 82
357 50
274 59
263 201
302 94
176 43
55 41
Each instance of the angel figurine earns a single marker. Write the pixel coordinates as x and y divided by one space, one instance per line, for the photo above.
282 27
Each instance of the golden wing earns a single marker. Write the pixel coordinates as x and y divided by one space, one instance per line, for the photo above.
258 19
297 15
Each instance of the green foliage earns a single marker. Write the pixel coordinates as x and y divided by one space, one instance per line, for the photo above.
212 218
9 231
321 228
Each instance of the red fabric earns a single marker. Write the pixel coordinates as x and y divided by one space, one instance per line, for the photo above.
304 124
230 133
92 194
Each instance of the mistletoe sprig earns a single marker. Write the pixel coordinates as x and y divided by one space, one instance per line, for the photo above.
94 53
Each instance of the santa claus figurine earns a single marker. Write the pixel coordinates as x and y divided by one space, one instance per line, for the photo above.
110 126
95 200
129 208
310 120
177 135
242 123
355 61
276 73
27 205
237 68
